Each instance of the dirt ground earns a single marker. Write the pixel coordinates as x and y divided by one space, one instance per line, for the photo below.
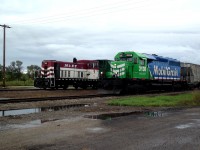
44 93
80 129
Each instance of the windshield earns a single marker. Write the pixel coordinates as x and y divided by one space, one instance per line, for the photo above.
125 59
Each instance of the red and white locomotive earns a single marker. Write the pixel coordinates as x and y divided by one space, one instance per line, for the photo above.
59 74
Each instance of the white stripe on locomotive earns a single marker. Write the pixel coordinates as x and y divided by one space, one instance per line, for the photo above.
72 73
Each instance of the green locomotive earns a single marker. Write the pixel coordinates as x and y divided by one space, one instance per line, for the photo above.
132 71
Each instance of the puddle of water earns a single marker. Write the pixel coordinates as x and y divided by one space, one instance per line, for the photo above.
184 126
37 110
4 98
96 130
37 123
30 124
19 112
109 116
195 123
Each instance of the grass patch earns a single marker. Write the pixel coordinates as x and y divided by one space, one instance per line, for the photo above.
19 83
193 101
186 99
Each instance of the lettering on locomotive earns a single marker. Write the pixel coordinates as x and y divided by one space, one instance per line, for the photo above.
70 65
142 68
165 71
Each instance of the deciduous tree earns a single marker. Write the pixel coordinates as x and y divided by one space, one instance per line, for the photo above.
31 70
13 71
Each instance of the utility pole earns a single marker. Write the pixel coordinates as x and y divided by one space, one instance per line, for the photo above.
4 53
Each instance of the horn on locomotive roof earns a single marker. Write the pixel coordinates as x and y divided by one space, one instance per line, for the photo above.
74 60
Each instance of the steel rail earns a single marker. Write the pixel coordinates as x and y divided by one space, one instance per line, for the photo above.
10 90
37 99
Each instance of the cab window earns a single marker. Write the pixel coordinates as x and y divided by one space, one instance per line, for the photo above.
142 62
130 59
135 60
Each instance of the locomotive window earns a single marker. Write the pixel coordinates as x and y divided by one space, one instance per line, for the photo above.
123 59
129 55
135 60
142 62
65 73
81 74
130 59
89 65
78 74
61 73
96 65
68 73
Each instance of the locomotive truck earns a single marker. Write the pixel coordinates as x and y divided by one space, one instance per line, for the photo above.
135 72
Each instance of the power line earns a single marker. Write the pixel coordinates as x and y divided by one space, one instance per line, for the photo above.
85 13
71 13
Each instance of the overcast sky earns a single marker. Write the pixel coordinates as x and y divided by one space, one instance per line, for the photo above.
98 29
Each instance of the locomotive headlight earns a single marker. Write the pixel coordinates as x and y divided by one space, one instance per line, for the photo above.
101 73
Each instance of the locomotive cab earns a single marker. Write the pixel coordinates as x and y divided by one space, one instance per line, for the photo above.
127 69
130 65
45 79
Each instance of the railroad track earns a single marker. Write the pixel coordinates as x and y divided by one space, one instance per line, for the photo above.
36 99
9 89
37 89
19 100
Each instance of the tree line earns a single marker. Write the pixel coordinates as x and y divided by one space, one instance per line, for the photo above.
14 71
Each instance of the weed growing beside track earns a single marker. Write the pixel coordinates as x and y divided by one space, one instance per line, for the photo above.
186 99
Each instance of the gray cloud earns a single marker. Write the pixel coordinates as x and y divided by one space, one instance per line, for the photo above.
100 37
33 45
